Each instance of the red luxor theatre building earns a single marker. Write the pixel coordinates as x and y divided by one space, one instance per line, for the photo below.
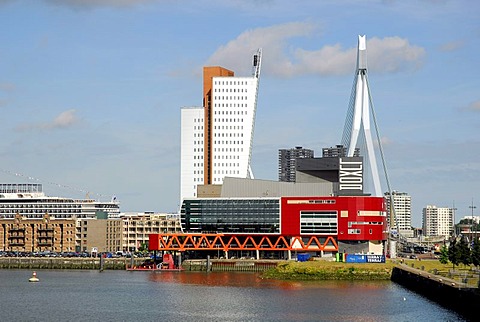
320 225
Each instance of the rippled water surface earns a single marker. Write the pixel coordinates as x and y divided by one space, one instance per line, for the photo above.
200 296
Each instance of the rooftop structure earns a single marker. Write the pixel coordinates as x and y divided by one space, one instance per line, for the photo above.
338 151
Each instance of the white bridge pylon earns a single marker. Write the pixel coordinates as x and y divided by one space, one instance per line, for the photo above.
361 115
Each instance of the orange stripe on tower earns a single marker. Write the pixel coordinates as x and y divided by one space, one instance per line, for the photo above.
208 74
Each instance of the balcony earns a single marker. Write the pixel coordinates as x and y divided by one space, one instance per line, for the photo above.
46 243
16 241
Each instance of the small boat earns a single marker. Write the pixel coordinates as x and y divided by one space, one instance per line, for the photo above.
34 278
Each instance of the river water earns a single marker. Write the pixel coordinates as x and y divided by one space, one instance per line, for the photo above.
200 296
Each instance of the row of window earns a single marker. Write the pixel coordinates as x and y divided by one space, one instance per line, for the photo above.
228 120
227 172
226 149
226 164
230 134
229 90
39 205
231 105
236 98
234 127
52 215
357 231
39 211
227 156
351 223
231 112
234 82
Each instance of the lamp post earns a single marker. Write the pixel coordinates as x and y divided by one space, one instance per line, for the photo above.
473 207
454 229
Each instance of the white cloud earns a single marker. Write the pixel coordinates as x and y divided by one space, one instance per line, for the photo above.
7 87
392 54
272 39
65 119
452 45
386 141
474 106
387 55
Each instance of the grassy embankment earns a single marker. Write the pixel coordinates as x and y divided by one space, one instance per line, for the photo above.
327 270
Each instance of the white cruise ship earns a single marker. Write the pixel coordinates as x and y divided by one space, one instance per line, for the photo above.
29 200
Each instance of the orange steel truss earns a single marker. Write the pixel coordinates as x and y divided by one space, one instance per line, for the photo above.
185 242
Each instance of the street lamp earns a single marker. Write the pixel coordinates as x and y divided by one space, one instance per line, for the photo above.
473 207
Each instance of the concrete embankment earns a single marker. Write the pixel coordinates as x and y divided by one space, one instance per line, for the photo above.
121 263
66 263
225 265
447 292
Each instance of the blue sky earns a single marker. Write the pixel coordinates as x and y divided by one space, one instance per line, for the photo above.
91 90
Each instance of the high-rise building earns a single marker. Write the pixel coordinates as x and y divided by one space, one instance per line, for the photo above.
338 151
402 204
216 139
287 162
437 221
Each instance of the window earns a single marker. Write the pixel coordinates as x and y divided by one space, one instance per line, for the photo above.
318 222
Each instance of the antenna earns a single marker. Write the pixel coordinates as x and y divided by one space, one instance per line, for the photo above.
257 63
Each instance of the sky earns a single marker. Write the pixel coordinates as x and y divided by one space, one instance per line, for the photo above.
91 90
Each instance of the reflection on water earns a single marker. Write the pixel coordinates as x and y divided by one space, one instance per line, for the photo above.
253 280
200 296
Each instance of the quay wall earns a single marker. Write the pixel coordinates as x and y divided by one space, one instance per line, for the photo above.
67 263
224 265
456 296
122 263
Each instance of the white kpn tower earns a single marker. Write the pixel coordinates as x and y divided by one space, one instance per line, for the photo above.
358 122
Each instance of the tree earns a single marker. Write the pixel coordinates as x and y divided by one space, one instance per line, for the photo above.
444 255
143 248
453 253
464 252
476 252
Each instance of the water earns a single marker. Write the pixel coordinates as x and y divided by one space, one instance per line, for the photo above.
200 296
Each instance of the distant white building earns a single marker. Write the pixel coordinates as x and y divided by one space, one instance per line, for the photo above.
217 138
402 203
437 221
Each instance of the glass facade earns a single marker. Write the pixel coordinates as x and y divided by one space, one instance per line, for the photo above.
231 216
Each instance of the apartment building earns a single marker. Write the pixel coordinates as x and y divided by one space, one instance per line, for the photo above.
437 221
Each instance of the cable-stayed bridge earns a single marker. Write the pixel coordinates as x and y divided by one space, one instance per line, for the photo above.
361 131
